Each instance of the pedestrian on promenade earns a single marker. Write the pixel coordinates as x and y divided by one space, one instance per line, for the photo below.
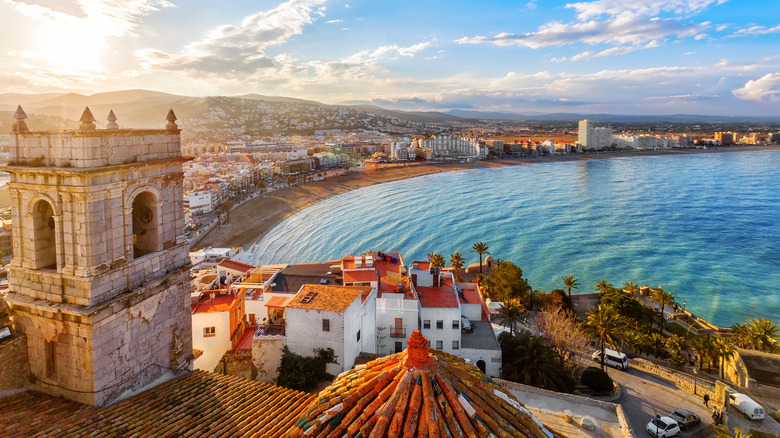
706 400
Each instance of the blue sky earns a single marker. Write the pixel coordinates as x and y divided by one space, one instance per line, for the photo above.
602 56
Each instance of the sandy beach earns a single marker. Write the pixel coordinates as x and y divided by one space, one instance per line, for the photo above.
249 223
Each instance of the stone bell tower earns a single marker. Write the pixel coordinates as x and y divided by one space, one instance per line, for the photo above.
99 282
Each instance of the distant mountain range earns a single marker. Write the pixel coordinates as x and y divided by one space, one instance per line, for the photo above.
255 114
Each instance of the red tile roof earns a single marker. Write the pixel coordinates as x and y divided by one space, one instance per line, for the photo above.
235 266
362 276
443 296
419 392
245 343
220 303
195 404
278 302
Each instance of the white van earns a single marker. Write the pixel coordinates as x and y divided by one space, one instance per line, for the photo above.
747 406
612 358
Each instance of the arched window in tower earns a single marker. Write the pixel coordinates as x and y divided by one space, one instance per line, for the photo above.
44 240
145 232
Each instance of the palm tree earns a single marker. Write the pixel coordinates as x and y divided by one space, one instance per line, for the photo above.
570 282
510 314
436 259
631 288
677 343
261 185
603 287
606 325
725 350
480 248
456 262
745 337
663 298
722 431
767 332
529 360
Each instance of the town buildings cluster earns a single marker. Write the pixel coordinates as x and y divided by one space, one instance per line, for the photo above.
592 138
367 304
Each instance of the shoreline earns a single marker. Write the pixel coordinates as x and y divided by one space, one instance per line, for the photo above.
250 222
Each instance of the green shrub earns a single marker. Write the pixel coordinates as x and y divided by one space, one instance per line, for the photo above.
303 373
597 380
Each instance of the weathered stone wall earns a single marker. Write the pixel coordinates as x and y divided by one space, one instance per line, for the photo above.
683 381
88 149
238 364
14 364
104 350
267 356
735 371
621 415
137 343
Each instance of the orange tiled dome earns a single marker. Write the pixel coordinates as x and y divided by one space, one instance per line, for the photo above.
417 393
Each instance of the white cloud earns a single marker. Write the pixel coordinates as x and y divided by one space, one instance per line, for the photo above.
625 29
239 48
101 17
765 88
755 30
612 51
334 21
586 10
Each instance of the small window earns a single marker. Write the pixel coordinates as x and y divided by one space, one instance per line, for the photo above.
455 345
439 345
427 324
455 324
209 331
326 325
440 324
358 335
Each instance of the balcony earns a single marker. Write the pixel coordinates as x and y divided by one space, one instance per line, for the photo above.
270 330
398 332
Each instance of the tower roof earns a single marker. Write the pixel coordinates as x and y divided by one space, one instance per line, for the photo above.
418 392
86 116
20 114
111 117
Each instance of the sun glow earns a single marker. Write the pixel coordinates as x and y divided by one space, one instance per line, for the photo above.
70 48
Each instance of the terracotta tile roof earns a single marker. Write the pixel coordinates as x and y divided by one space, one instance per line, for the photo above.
195 404
328 297
419 392
443 296
235 266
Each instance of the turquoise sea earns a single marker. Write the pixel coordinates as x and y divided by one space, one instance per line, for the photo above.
705 226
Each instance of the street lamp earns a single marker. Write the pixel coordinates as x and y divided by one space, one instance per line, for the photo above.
695 372
684 303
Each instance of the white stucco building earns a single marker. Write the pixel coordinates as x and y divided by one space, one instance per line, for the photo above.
592 138
332 316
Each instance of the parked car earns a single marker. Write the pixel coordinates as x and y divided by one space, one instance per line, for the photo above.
747 406
685 419
663 427
612 358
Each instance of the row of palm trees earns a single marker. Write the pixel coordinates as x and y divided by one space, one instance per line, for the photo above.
457 261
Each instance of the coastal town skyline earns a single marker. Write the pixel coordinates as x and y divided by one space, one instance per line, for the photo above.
653 57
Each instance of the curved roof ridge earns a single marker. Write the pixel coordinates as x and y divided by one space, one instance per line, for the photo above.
418 392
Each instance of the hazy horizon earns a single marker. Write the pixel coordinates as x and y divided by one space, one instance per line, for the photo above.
654 57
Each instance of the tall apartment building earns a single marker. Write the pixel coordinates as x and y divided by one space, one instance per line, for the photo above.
592 138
